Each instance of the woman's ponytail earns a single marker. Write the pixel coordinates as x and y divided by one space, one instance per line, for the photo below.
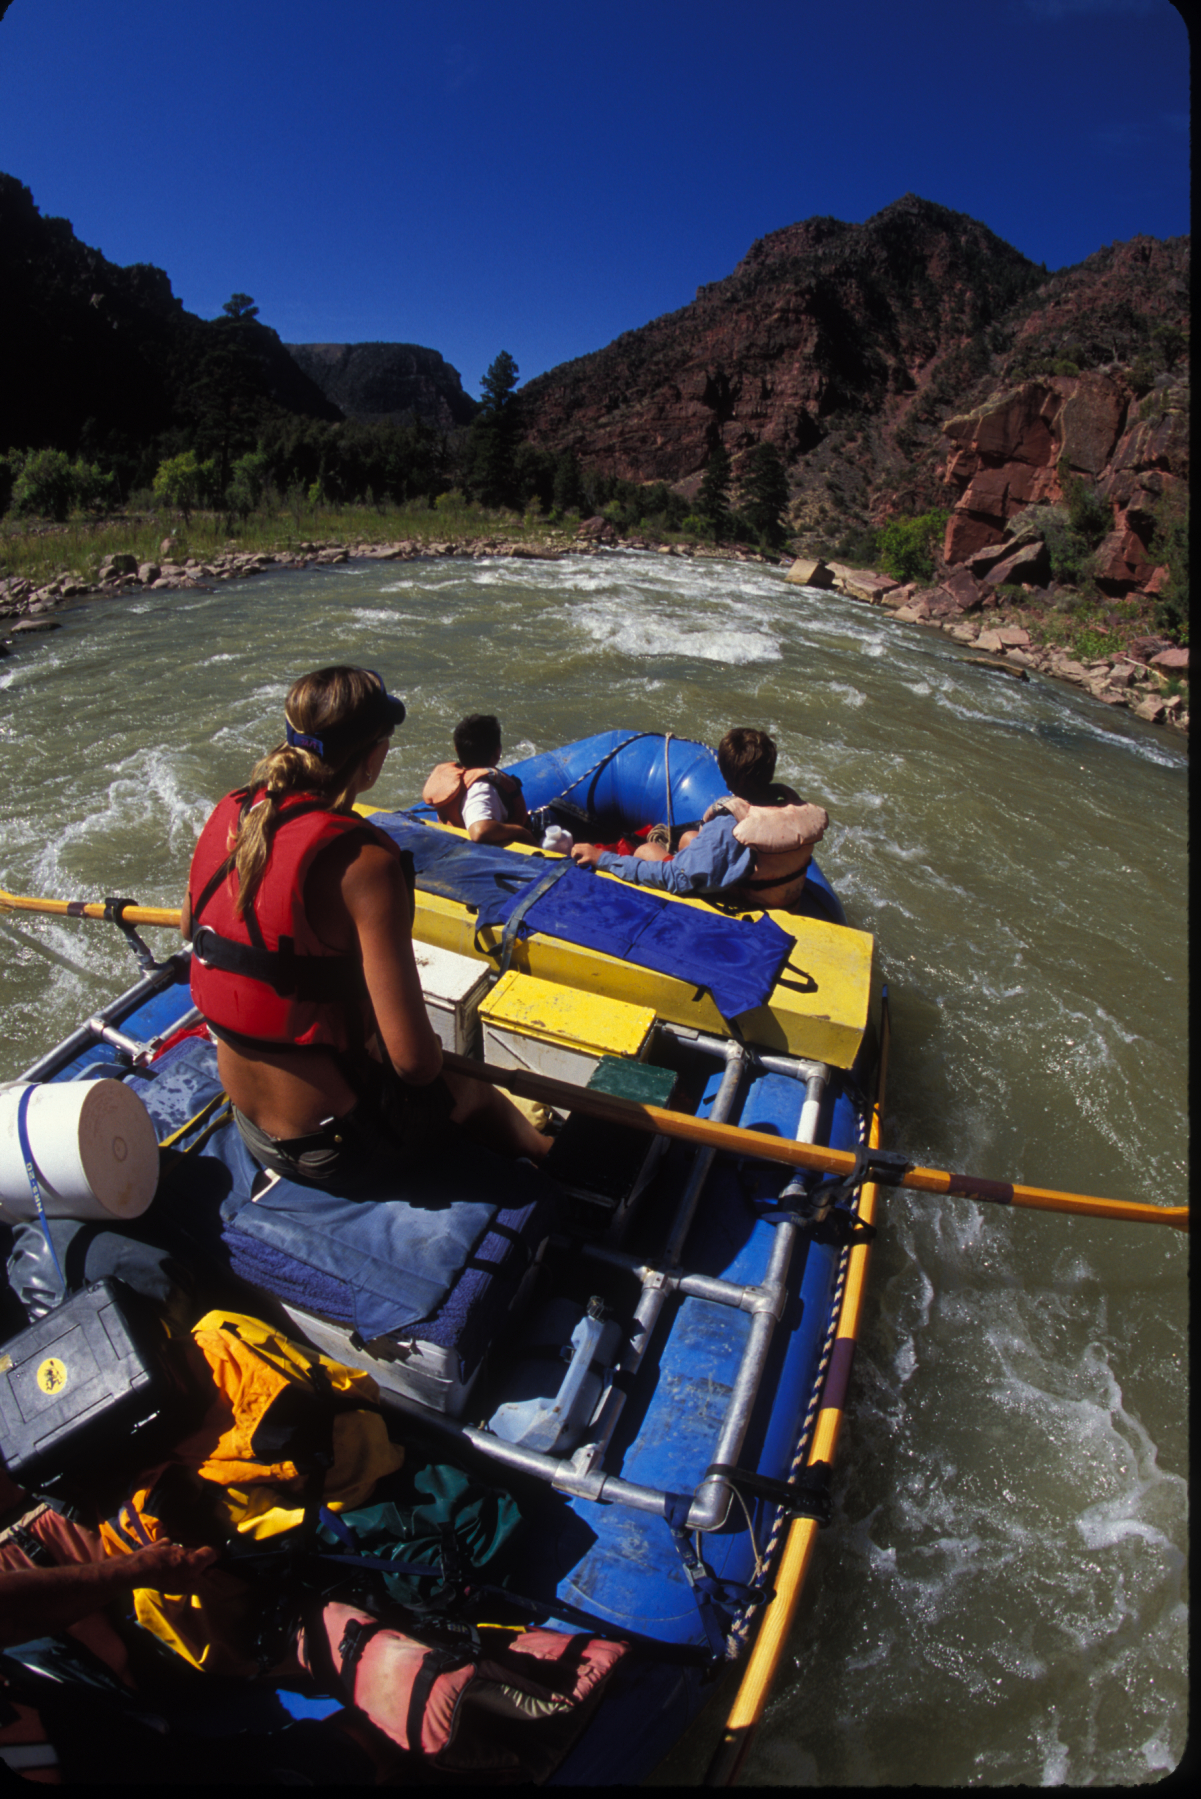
330 700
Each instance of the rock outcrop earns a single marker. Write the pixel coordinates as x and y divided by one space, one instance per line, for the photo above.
391 382
1019 449
93 349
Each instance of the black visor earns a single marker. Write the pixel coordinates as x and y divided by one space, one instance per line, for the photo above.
381 715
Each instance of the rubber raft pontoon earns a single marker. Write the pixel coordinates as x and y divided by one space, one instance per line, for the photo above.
658 1342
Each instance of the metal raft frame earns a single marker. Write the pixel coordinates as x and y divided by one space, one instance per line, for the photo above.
582 1474
102 1027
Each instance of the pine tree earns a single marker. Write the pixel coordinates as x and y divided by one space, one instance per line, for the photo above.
492 441
713 499
764 493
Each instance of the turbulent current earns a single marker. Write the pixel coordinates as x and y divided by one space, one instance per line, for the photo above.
1002 1598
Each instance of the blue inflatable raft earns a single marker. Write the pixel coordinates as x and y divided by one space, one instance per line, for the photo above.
649 1344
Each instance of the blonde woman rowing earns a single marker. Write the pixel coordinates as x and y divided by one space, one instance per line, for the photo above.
300 914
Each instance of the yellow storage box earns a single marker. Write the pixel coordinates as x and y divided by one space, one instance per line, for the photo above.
559 1031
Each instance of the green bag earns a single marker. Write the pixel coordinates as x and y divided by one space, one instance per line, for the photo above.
436 1514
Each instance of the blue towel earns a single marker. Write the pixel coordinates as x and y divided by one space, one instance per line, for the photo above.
738 961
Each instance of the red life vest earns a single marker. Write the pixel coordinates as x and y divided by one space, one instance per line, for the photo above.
446 789
781 838
483 1701
267 975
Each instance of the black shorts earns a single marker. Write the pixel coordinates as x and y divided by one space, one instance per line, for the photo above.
390 1123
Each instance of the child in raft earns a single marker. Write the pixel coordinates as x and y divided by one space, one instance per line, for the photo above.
753 848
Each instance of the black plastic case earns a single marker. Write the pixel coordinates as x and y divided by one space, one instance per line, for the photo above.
91 1383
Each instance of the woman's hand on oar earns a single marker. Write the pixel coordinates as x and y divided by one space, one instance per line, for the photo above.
767 1148
162 915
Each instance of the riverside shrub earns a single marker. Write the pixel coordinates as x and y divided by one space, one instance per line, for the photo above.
908 546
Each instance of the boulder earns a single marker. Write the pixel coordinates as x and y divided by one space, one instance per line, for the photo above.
807 573
962 587
121 564
961 633
1122 562
1013 637
865 584
36 624
1030 562
148 572
1171 662
916 613
1152 709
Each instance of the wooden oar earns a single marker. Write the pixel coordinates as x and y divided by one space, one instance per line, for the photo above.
799 1155
164 915
660 1122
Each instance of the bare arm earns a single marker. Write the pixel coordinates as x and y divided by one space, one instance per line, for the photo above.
374 893
491 830
36 1602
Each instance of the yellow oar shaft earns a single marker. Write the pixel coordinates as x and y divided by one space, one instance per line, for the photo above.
14 902
799 1155
699 1130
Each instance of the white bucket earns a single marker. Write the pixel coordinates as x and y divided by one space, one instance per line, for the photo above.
94 1147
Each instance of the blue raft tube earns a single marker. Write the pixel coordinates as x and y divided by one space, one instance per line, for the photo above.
618 781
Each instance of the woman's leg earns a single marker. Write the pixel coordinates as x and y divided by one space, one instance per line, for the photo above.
486 1114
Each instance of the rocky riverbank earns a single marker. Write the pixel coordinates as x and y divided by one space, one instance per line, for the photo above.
1140 676
30 608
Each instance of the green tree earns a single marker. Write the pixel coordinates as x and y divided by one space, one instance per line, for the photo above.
764 493
44 485
713 498
490 471
240 306
568 493
177 482
1170 545
908 546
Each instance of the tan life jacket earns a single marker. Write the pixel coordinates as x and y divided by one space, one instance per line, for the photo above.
782 839
446 789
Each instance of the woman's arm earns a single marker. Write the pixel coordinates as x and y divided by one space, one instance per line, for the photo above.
375 895
36 1602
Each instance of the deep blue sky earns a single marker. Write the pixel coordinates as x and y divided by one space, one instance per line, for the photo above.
542 175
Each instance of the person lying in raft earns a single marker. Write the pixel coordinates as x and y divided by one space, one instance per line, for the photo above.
753 848
300 915
473 793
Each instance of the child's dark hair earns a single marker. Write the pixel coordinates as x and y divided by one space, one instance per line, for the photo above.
477 739
747 760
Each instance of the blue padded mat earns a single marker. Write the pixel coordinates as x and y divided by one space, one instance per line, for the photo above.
737 960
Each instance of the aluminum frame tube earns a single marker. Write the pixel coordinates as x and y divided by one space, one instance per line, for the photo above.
654 1287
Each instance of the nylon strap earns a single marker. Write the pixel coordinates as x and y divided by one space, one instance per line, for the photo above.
534 892
31 1171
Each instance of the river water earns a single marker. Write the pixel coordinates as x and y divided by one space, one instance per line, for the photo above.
1003 1599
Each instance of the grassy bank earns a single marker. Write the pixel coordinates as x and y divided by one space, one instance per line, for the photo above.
1086 627
39 553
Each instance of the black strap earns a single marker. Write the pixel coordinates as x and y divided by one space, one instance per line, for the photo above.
318 978
31 1547
806 1497
436 1662
355 1638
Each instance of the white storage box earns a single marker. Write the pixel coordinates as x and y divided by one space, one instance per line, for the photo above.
559 1031
453 986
